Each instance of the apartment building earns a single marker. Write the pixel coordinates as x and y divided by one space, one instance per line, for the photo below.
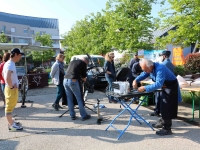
21 29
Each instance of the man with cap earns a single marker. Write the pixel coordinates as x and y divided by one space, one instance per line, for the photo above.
164 59
11 87
134 60
76 72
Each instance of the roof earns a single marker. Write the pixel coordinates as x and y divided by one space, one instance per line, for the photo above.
30 21
23 47
161 32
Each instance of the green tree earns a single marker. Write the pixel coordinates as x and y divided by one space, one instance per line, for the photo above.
87 36
96 33
184 16
45 40
130 24
3 38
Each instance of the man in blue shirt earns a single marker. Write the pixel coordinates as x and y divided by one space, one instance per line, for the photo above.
165 80
164 55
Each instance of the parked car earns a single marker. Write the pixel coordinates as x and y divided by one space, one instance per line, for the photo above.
95 73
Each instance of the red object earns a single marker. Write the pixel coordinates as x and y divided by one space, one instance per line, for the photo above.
1 69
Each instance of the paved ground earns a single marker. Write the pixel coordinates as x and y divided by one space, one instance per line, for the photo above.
43 129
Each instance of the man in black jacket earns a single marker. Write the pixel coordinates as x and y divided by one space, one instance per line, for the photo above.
134 60
76 72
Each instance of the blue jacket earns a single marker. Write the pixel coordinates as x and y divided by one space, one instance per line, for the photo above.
159 75
108 66
168 64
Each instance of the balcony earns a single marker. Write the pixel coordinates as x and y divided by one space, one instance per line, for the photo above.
6 32
56 38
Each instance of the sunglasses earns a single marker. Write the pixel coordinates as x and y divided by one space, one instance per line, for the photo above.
113 57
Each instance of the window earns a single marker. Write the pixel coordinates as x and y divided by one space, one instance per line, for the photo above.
13 39
54 41
42 32
25 31
12 29
23 40
3 29
32 32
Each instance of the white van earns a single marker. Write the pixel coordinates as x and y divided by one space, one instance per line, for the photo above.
97 59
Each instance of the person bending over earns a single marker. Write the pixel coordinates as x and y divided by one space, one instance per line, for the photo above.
166 80
76 72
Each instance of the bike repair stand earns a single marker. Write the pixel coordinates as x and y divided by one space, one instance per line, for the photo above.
78 108
99 119
24 101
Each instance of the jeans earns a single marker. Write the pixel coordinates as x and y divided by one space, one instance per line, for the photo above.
60 92
74 88
110 81
2 87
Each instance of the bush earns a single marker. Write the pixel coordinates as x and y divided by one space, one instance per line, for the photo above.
192 62
179 70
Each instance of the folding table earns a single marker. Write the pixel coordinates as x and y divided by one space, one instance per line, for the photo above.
192 90
127 107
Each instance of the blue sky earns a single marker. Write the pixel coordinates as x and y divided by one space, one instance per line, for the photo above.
67 11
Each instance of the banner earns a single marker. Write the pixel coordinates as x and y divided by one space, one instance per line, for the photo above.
152 55
177 57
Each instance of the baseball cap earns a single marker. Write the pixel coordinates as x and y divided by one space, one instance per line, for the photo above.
166 53
17 51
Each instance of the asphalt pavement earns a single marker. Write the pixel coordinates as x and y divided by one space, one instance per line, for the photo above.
43 129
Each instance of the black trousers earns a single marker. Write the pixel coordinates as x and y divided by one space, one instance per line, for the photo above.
157 102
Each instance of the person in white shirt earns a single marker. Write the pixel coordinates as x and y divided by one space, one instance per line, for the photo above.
11 87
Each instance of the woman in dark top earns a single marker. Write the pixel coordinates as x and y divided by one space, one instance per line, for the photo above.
110 72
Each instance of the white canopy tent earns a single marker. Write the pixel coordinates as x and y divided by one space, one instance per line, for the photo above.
24 47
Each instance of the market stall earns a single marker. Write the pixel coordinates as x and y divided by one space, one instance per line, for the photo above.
35 79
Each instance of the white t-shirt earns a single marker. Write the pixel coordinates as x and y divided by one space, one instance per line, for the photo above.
10 65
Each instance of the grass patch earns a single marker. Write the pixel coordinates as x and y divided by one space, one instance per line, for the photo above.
187 98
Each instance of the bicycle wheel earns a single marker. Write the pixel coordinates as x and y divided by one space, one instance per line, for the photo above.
24 87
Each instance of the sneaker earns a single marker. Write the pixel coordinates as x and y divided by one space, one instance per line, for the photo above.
159 124
154 114
164 132
55 106
73 117
15 127
14 121
86 117
60 107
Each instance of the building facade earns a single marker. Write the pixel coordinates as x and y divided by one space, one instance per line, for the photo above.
21 29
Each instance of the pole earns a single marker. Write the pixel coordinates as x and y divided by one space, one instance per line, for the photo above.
25 62
42 58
